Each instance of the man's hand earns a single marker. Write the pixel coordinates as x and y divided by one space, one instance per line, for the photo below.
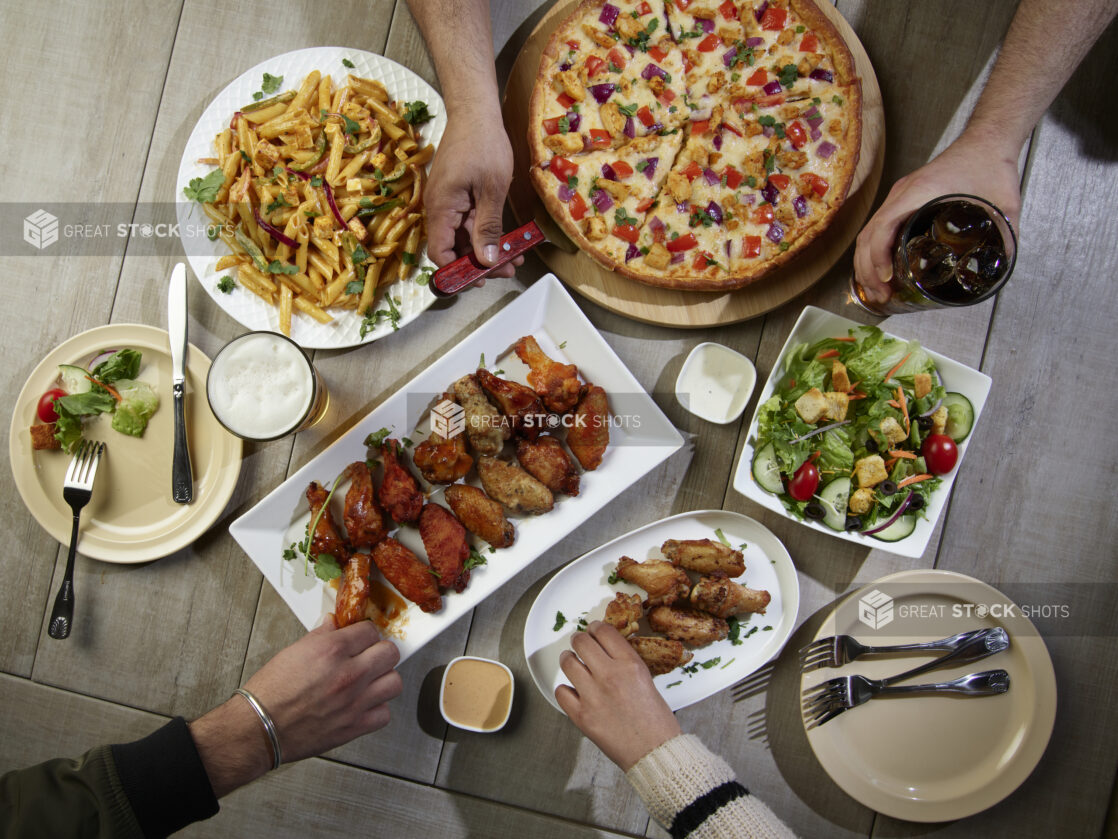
614 701
465 195
968 166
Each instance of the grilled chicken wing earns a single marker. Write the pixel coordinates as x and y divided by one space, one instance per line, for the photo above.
517 402
513 487
399 491
353 593
444 539
486 429
480 514
705 556
723 597
412 578
326 538
588 437
661 655
696 629
547 461
557 384
624 612
363 517
664 582
442 461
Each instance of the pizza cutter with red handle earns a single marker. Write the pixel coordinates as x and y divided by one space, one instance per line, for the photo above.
465 271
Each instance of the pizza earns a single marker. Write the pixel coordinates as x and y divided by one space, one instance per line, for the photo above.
691 145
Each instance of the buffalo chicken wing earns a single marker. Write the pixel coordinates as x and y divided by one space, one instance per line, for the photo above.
480 514
399 491
412 578
557 384
444 539
547 462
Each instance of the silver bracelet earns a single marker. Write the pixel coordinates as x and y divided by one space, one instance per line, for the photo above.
269 726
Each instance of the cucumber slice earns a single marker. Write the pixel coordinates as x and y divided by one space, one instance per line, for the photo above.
960 416
74 379
898 530
766 470
835 497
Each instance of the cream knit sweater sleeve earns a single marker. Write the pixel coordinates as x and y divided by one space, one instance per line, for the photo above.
692 792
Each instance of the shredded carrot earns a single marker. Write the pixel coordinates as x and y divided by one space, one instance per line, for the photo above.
904 454
898 366
904 406
791 383
851 388
815 456
914 479
890 463
828 354
893 403
858 395
112 391
847 339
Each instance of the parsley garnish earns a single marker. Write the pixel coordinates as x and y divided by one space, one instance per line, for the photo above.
770 162
204 190
226 284
407 257
316 180
275 205
277 267
564 124
613 68
560 620
572 182
721 536
836 99
256 97
612 580
355 287
376 439
673 684
271 83
751 181
788 75
359 255
642 165
347 63
474 560
563 345
424 275
416 113
628 110
620 217
784 246
735 630
212 232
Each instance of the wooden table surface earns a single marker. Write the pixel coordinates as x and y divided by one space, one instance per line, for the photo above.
99 101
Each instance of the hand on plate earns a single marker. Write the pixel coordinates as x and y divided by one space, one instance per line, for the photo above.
971 166
466 192
613 700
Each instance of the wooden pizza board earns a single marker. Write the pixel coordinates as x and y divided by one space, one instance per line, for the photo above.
671 307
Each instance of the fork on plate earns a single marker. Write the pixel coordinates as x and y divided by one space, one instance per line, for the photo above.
826 701
838 650
76 491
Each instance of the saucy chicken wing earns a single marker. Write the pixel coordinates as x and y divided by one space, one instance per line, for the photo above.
412 578
660 655
517 402
696 629
547 461
664 582
399 491
444 539
623 613
513 487
363 517
588 435
353 593
722 597
480 514
486 429
704 556
557 384
442 461
326 539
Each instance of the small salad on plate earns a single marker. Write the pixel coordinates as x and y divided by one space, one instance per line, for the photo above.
858 431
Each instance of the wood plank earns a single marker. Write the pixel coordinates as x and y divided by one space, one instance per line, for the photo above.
55 53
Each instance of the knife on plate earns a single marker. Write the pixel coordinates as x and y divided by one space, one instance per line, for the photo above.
182 481
465 271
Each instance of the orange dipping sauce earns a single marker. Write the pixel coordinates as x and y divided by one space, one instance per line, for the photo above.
476 694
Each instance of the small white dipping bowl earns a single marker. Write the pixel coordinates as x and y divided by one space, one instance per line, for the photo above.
715 383
476 694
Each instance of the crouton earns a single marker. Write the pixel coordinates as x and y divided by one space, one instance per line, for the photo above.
839 378
939 420
861 501
890 433
812 406
922 384
870 471
42 437
837 403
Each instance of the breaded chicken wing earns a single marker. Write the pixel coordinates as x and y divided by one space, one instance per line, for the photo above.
444 539
557 384
697 629
326 539
412 578
661 655
588 435
486 429
548 462
480 514
722 597
705 556
664 582
442 461
353 593
517 402
363 517
623 613
513 487
399 491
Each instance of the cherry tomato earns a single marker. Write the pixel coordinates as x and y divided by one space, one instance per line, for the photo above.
46 404
940 453
804 483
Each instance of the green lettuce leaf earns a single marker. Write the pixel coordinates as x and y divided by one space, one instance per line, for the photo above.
123 364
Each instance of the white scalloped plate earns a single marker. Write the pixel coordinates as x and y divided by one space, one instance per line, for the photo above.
242 305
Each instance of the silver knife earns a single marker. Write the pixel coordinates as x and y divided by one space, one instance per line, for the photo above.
182 481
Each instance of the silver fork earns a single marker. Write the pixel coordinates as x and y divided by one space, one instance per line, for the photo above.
838 650
77 490
848 692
